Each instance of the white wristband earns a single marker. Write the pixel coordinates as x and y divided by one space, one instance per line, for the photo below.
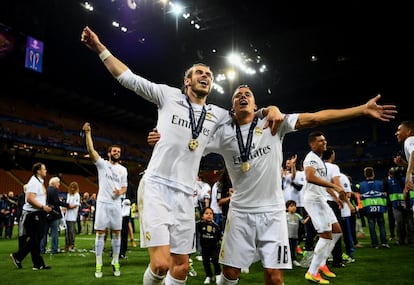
104 55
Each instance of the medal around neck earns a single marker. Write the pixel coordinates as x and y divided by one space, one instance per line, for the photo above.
193 144
245 149
245 166
195 128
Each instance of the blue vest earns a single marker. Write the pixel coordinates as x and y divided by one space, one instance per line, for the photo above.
411 197
395 191
372 195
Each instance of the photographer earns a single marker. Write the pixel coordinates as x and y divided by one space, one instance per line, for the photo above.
3 213
8 205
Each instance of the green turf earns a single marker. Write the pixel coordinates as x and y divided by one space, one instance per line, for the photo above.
372 266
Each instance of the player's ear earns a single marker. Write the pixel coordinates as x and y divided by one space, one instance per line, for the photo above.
187 81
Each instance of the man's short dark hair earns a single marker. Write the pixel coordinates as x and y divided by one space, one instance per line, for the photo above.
313 135
37 166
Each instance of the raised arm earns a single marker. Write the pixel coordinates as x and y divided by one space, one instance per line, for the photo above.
89 143
91 40
293 160
370 109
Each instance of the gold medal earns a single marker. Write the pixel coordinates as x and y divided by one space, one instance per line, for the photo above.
245 166
193 144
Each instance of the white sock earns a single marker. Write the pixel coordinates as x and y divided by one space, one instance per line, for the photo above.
169 280
150 278
335 238
225 281
99 245
116 247
319 256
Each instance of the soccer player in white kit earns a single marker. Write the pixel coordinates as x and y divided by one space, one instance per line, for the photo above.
289 190
165 192
316 204
405 136
256 225
112 183
334 175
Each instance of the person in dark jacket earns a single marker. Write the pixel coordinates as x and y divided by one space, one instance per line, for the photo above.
210 238
54 216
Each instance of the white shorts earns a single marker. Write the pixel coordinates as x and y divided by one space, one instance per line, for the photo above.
322 215
252 237
108 215
166 217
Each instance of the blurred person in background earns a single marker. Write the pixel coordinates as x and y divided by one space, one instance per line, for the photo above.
53 218
71 216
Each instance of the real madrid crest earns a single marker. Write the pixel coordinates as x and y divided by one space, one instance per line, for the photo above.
258 131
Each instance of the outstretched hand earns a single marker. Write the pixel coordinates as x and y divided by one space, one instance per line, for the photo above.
91 40
383 113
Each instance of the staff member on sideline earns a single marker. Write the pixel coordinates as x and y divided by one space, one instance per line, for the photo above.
33 219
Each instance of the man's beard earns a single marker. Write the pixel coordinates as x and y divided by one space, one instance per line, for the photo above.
200 94
113 159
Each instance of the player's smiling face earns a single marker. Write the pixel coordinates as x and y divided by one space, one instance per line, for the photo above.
402 133
115 154
243 100
320 144
201 81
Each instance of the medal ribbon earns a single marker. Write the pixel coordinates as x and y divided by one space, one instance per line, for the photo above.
245 150
196 129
